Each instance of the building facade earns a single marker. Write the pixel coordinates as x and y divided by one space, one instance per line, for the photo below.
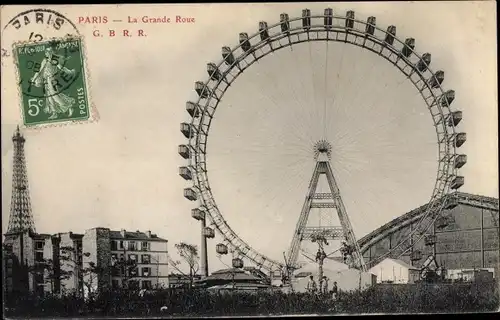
125 259
395 271
81 263
468 238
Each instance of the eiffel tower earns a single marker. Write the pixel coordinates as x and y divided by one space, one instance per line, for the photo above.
21 218
330 200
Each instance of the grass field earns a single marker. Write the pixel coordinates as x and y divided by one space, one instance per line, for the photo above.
417 298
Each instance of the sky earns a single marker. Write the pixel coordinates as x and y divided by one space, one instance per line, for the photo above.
121 171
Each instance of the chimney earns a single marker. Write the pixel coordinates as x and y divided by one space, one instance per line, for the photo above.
148 233
122 232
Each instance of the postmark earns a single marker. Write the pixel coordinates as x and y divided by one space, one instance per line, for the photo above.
52 81
36 25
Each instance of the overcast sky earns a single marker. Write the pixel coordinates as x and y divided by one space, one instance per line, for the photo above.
122 171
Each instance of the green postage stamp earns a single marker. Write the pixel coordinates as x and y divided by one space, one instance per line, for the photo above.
53 81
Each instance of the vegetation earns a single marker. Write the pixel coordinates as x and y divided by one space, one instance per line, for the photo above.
380 299
189 253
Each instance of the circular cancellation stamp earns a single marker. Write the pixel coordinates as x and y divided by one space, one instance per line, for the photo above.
50 68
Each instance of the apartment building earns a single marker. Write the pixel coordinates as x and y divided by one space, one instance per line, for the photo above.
100 258
25 255
136 259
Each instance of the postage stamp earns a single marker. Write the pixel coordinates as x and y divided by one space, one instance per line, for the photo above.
52 80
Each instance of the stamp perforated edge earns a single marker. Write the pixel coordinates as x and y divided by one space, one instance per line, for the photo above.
93 113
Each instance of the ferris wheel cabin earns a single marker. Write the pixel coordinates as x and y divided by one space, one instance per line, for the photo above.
458 139
349 21
328 17
228 56
209 232
237 263
285 22
193 109
202 89
408 47
424 62
437 79
371 22
454 118
188 130
447 98
457 182
306 18
221 248
184 151
213 72
185 173
264 33
390 35
190 194
198 214
244 42
460 160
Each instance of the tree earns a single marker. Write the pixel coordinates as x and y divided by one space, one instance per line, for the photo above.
46 270
126 268
189 254
71 258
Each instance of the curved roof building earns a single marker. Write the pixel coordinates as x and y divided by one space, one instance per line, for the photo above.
468 238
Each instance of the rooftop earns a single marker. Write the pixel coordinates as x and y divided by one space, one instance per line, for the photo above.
135 235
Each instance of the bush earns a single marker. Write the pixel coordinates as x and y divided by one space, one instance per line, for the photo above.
383 298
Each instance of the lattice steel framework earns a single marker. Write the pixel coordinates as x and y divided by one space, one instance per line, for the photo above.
326 27
333 201
21 218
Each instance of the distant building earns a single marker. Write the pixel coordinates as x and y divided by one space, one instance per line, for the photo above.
471 275
395 271
176 280
61 262
467 236
146 251
25 256
231 280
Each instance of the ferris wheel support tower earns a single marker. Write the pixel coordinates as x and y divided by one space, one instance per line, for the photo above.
322 151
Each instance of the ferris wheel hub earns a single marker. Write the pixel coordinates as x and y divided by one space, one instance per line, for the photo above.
322 148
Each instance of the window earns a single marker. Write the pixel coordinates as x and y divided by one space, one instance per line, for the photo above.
146 272
114 245
132 246
121 245
146 258
133 272
38 256
144 246
39 245
146 284
132 257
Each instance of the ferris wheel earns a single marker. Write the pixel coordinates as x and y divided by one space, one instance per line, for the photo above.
343 30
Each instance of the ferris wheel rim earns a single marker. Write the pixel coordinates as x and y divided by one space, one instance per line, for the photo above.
442 184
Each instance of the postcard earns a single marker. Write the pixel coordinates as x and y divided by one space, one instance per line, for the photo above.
172 160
